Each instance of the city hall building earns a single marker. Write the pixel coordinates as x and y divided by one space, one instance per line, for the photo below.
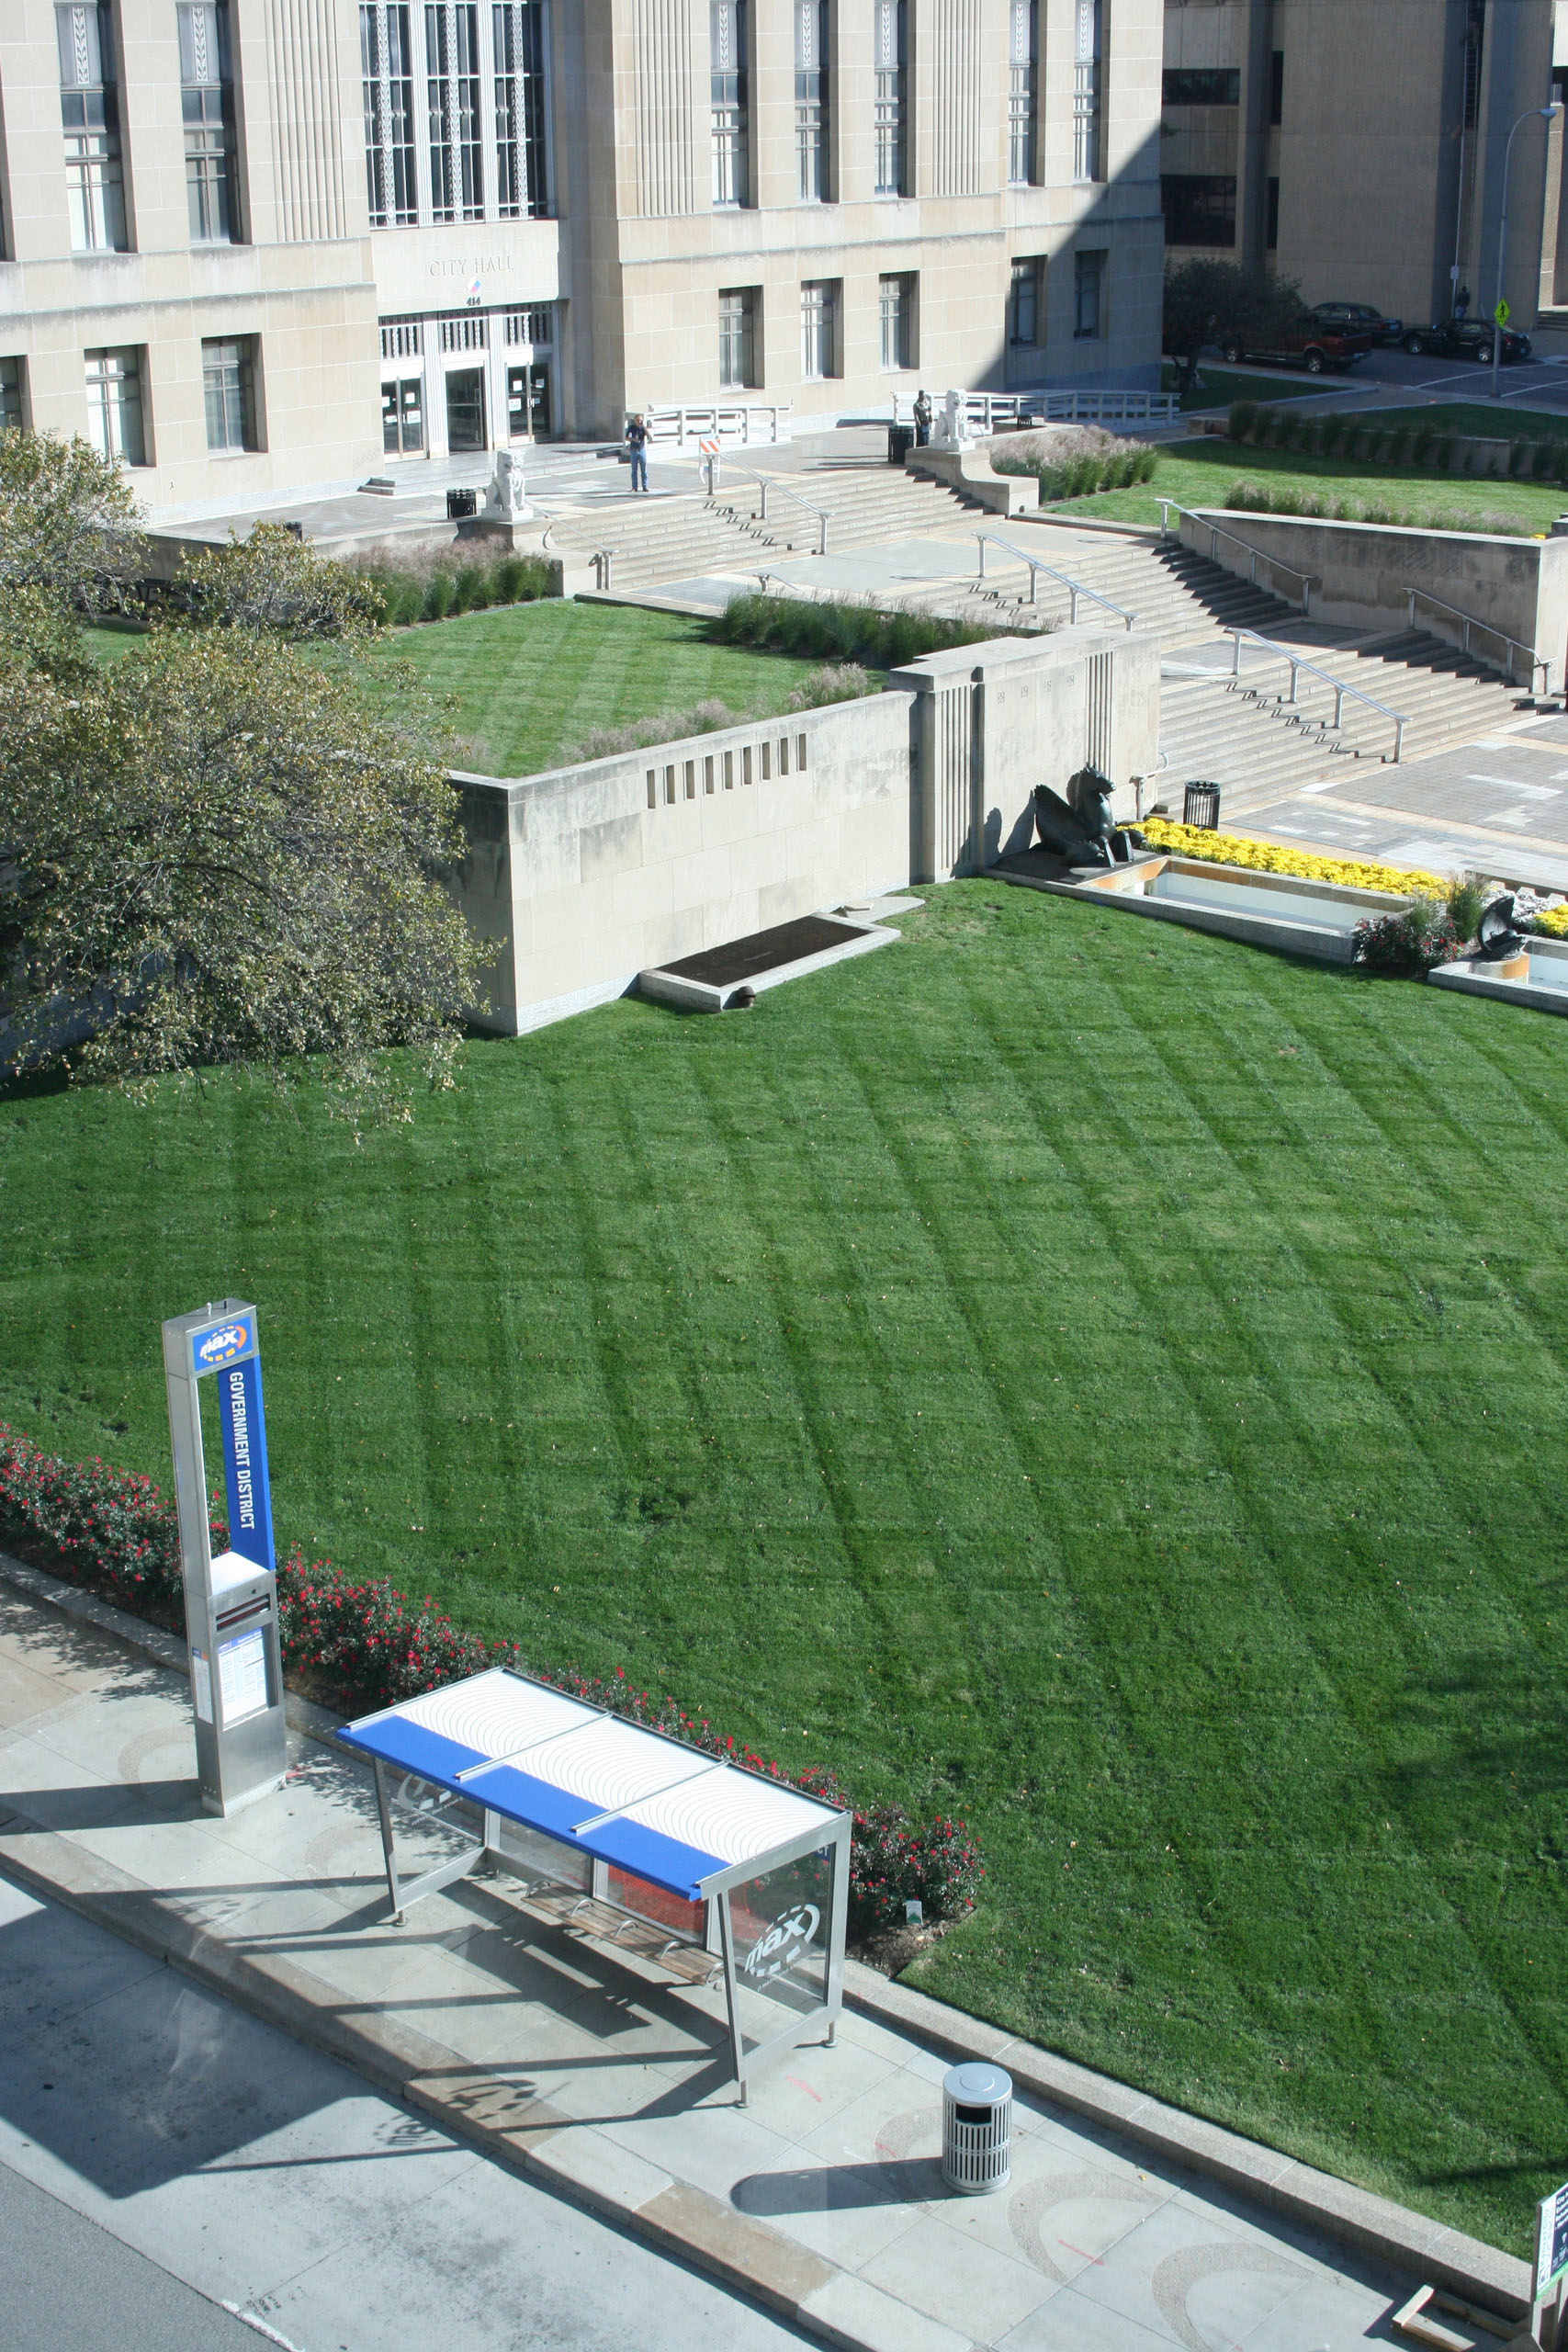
255 247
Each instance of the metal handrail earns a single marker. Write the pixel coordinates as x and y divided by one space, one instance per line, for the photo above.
1075 588
1489 629
823 513
1341 686
1217 532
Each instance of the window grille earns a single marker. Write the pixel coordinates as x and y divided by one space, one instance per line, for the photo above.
819 305
207 105
113 405
465 331
1023 90
386 60
228 378
536 326
736 311
1089 293
1023 302
89 108
897 306
888 32
1086 106
811 100
401 338
522 179
452 66
729 101
10 396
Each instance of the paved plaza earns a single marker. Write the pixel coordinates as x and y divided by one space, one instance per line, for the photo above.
590 2070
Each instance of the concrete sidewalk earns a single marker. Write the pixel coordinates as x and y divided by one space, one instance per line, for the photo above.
823 2199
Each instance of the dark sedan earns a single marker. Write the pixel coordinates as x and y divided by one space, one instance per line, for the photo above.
1361 319
1466 339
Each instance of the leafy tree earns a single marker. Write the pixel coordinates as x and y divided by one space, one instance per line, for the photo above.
271 582
67 522
1219 302
215 848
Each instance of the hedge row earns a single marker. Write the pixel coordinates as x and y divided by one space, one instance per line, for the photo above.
1423 445
846 628
363 1645
406 595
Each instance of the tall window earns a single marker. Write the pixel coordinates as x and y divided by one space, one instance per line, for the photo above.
1277 89
10 395
1271 228
229 382
1086 128
818 321
1023 302
1023 89
89 109
895 301
737 329
727 59
386 61
888 33
207 103
811 99
1088 295
522 184
452 63
114 406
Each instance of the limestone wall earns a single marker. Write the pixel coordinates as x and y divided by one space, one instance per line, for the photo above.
585 876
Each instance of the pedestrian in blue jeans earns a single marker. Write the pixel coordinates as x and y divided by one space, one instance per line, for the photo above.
637 442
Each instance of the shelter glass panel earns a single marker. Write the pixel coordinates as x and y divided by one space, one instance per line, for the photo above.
780 1925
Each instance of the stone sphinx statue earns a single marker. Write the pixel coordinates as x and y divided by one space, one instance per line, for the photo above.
1082 828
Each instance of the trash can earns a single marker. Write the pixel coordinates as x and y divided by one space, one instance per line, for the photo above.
1201 807
977 2128
462 506
900 441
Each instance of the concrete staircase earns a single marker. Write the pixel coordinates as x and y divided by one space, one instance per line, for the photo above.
651 540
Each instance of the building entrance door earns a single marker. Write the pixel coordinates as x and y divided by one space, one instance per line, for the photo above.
528 402
465 409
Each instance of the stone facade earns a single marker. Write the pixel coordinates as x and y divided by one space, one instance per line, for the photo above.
1359 148
361 236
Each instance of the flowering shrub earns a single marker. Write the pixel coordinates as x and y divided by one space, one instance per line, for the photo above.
1420 936
1268 857
1555 922
363 1646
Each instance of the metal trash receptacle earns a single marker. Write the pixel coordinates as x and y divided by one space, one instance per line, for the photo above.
1201 807
900 441
977 2128
462 506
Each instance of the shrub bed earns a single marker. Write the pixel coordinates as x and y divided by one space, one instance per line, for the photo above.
850 628
436 592
360 1645
1076 462
834 682
1267 498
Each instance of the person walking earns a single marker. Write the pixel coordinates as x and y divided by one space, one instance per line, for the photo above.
637 442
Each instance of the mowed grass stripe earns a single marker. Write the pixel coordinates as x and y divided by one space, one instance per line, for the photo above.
744 1353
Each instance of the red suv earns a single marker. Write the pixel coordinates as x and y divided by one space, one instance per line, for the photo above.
1310 344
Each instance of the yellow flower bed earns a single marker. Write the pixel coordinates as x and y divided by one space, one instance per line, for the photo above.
1266 858
1555 921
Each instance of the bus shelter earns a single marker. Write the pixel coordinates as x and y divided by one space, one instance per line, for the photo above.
630 1823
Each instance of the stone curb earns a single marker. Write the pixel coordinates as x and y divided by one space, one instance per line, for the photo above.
476 2108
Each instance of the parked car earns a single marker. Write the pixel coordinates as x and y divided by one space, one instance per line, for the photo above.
1309 344
1360 318
1466 339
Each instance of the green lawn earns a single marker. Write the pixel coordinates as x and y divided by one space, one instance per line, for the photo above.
1104 1381
529 681
1199 473
1217 387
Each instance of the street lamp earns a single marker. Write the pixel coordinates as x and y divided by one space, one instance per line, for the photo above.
1530 115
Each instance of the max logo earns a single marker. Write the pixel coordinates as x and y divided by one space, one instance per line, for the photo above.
229 1339
785 1943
